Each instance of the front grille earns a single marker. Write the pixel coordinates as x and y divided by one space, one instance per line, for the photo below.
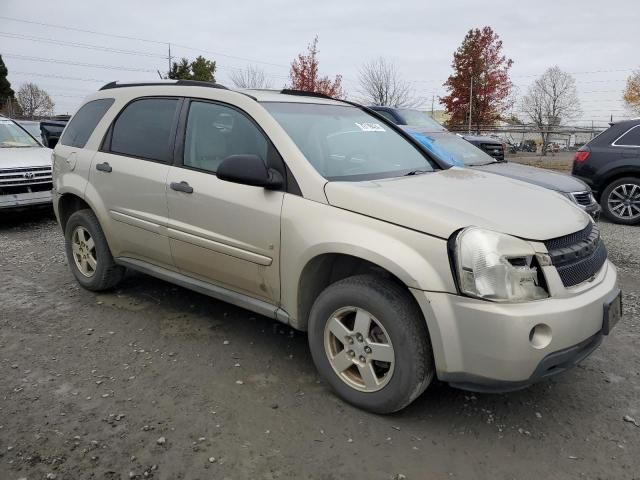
493 149
582 198
25 180
578 256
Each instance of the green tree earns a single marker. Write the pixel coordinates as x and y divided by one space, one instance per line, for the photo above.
6 92
200 69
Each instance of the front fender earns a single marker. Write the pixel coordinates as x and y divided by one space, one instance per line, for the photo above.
310 229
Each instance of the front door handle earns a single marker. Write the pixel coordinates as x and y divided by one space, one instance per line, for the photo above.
104 167
181 187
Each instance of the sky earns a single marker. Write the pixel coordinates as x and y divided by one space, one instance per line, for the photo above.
596 41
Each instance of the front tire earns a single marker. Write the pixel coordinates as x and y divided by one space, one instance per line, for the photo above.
620 201
88 253
369 341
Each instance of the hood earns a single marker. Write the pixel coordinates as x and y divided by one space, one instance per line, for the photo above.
538 176
478 139
25 157
442 202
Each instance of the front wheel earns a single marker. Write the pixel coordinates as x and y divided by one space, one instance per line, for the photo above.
621 201
369 341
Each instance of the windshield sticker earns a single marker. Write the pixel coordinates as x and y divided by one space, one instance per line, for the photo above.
370 127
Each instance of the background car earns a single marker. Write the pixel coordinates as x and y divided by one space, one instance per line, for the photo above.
451 148
610 164
25 168
407 116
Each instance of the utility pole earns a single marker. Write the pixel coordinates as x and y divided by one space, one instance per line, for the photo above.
433 99
470 103
169 58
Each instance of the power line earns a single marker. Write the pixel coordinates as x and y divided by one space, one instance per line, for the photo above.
125 37
79 64
32 38
61 77
65 27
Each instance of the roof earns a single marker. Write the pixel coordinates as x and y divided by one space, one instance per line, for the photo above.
260 95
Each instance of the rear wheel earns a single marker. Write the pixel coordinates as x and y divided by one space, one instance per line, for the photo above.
369 341
621 201
88 253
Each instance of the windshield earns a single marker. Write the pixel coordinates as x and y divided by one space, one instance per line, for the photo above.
345 143
450 148
11 135
420 119
32 127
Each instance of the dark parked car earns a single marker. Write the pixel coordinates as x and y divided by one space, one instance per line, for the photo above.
52 129
452 149
610 164
416 118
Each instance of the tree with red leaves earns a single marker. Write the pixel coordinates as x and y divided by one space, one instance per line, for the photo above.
305 76
480 80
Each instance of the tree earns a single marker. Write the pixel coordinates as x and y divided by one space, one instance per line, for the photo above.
250 77
7 95
381 84
632 92
34 101
480 80
550 101
305 76
200 69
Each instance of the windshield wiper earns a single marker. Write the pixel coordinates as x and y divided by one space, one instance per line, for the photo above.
415 172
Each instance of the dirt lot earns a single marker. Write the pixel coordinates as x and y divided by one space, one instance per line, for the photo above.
561 161
154 381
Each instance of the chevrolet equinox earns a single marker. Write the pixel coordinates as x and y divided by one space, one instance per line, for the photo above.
324 215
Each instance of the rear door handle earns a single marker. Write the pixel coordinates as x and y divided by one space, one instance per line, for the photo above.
104 167
181 187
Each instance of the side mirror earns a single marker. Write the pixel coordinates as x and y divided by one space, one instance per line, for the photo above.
249 170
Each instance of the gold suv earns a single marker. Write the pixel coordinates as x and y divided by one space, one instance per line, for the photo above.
325 216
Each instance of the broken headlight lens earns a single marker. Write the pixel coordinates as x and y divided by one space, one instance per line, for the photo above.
497 267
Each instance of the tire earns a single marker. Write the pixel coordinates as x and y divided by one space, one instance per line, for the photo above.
614 193
93 264
397 319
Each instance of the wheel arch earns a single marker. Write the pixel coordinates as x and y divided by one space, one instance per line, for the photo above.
615 174
327 268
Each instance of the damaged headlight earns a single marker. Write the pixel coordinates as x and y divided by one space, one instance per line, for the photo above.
498 267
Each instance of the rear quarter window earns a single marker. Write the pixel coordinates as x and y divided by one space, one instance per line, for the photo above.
84 122
630 139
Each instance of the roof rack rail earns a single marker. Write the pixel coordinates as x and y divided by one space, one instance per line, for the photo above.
304 93
181 83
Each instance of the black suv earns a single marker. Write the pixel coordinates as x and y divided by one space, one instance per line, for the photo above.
610 165
416 118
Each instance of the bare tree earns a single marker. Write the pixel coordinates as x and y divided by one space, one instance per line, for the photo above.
381 84
250 77
34 101
550 101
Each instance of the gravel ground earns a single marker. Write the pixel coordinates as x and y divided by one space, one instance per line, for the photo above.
154 381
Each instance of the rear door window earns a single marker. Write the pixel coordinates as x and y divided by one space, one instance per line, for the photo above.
84 121
143 129
630 139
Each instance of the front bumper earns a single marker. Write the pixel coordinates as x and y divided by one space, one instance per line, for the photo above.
486 346
25 200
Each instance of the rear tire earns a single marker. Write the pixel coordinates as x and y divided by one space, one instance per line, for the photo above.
620 201
88 253
382 367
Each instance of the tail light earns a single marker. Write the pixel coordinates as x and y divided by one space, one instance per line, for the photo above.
582 154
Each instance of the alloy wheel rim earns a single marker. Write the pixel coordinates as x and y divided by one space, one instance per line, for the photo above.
359 349
84 252
624 201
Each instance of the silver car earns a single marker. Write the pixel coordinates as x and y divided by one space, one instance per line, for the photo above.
25 169
315 212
